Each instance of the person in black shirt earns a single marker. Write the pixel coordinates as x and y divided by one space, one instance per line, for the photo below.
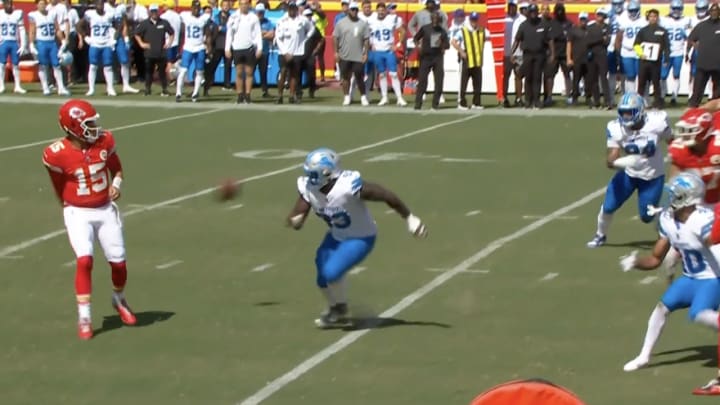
653 48
577 56
534 40
431 40
151 36
598 40
559 28
705 38
307 65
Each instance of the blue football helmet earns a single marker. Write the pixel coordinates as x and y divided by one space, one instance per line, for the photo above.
684 190
321 166
633 9
701 8
631 110
676 8
66 59
618 6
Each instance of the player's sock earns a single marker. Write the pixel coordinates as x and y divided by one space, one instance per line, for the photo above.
57 72
108 73
125 75
42 74
329 297
630 86
395 80
92 75
612 82
383 84
604 221
708 318
338 291
180 81
655 327
83 285
198 82
16 76
118 275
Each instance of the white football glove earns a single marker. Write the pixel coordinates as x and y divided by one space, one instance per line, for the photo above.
630 161
416 227
21 51
628 262
33 49
653 210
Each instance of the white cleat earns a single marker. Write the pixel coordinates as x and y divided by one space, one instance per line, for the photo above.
364 101
90 92
19 90
47 92
383 101
442 99
636 364
2 89
346 101
477 107
401 102
111 92
130 90
64 92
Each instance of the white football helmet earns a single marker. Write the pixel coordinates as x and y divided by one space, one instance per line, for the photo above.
322 165
684 190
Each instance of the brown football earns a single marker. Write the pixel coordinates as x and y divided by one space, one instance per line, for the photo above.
228 190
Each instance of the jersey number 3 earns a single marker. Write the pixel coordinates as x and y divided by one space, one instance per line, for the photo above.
95 179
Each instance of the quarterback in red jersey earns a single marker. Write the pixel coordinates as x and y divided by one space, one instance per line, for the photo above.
697 147
86 174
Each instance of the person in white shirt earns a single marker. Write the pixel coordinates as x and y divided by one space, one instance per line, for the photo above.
244 38
172 17
13 43
43 34
99 36
290 34
195 29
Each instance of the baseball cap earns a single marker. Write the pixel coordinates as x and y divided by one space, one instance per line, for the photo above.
474 16
392 6
604 10
344 1
583 15
354 5
512 3
292 4
524 4
153 7
260 7
430 1
459 13
301 3
532 7
307 11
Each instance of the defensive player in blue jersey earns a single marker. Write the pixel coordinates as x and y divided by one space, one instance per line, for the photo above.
338 197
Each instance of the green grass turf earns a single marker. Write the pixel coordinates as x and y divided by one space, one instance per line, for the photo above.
214 332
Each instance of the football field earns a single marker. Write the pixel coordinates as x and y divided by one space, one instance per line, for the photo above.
503 287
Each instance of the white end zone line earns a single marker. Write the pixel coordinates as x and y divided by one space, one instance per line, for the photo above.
9 250
350 338
136 125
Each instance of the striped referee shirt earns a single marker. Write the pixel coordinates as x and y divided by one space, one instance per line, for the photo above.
243 32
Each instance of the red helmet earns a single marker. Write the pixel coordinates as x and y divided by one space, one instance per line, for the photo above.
79 119
694 126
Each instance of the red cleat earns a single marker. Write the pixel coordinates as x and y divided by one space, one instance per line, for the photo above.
85 331
126 315
711 388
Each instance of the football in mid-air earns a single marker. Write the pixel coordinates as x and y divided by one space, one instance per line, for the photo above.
228 190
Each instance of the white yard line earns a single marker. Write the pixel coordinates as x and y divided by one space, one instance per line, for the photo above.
262 267
169 264
549 276
234 207
648 280
4 199
357 270
130 126
473 213
9 250
350 338
472 271
566 217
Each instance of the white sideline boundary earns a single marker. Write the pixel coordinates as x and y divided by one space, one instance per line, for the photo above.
350 338
11 250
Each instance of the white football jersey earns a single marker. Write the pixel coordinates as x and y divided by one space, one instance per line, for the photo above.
645 141
677 33
366 18
291 34
382 32
630 29
101 28
44 25
342 208
73 19
175 20
194 31
60 11
699 260
614 24
695 20
10 25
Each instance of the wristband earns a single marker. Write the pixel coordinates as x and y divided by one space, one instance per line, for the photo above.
117 182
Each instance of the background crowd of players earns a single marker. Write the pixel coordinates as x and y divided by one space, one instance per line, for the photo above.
598 57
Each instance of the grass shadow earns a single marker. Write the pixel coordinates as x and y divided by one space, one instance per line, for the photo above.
145 318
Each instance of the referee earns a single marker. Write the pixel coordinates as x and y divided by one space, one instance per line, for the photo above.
653 48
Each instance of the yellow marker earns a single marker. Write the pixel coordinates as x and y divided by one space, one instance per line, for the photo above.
638 50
